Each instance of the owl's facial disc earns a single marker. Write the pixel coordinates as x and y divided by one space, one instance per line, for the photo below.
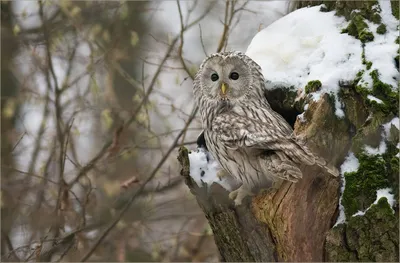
226 78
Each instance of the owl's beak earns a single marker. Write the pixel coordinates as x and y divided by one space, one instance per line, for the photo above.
224 89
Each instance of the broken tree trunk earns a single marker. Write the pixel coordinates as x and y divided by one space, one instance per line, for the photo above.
289 224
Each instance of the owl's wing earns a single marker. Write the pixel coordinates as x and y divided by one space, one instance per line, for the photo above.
237 132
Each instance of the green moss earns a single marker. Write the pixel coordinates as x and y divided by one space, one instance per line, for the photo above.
395 8
392 165
374 236
381 29
313 86
365 62
371 237
385 93
375 172
359 29
365 8
361 186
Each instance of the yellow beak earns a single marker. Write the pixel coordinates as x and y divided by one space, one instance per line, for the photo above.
224 89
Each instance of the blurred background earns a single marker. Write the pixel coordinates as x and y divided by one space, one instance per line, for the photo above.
96 99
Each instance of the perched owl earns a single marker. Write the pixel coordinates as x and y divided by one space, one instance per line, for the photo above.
253 143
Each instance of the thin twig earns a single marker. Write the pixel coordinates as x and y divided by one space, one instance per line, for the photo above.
10 246
139 191
202 43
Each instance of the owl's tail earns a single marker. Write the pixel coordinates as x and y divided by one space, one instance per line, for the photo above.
310 158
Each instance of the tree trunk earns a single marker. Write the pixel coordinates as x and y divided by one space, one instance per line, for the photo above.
296 222
289 224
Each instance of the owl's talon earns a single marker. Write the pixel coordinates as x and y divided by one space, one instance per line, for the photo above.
221 174
233 194
239 194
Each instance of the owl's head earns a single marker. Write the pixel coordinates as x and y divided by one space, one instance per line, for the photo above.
227 77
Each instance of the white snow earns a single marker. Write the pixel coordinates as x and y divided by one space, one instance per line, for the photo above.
387 126
385 192
296 49
372 98
385 136
380 51
381 149
205 171
360 213
301 117
349 165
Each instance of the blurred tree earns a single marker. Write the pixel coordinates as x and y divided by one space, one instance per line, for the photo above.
9 107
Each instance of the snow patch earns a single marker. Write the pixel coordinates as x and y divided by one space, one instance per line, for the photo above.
380 51
381 149
350 164
372 98
387 126
295 50
385 192
301 117
204 170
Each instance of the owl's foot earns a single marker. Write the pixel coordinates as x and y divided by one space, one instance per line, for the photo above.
239 194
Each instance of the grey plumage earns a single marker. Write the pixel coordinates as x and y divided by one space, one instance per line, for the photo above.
253 143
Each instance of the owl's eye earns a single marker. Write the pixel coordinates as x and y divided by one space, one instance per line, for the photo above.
214 77
234 75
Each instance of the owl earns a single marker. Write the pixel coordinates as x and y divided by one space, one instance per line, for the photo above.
252 142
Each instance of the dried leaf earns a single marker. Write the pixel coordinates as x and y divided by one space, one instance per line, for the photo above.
130 182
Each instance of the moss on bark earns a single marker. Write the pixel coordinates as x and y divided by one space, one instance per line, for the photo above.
359 29
381 29
313 86
361 186
371 237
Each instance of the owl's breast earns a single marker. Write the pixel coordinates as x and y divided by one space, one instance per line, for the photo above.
252 111
243 165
